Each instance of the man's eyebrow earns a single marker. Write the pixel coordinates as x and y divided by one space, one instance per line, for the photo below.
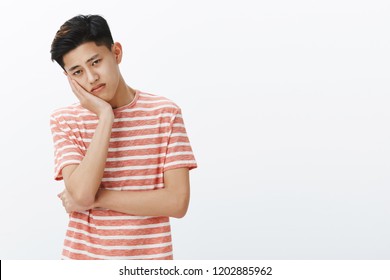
89 60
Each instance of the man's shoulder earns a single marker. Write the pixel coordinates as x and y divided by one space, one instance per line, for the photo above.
67 112
157 101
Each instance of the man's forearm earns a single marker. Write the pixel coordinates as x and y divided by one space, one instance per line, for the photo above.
171 201
85 180
143 203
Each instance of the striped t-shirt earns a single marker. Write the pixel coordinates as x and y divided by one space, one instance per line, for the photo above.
148 138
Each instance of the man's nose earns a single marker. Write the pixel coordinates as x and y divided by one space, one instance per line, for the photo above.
92 77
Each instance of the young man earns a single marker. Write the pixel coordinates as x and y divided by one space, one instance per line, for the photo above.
123 154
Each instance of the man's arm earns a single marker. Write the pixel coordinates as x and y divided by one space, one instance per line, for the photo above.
82 181
171 201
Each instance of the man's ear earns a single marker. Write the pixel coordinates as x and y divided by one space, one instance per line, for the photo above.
117 51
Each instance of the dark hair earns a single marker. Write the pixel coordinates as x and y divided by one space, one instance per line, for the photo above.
79 30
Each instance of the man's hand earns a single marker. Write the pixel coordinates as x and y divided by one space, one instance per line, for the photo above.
88 100
70 204
83 180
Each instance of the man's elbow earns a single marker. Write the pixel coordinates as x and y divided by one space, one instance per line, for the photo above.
181 207
82 196
178 214
83 199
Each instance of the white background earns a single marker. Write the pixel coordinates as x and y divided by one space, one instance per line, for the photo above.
286 104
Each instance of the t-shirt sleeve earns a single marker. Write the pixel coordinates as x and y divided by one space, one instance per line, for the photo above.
179 152
66 150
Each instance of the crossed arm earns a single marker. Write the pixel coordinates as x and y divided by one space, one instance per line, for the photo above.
171 201
82 181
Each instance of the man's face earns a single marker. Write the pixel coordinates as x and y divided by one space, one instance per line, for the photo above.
95 68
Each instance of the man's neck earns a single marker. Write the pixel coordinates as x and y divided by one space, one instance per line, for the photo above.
124 95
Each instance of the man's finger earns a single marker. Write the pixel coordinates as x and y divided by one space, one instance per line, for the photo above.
79 88
76 88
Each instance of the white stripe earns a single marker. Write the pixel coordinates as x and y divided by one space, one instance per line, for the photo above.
127 217
72 137
159 125
71 147
76 130
150 95
116 179
130 148
141 167
119 237
81 123
151 136
179 135
155 256
75 110
69 162
77 116
135 157
118 217
125 227
144 109
59 134
70 108
117 247
178 125
59 141
179 154
154 101
136 188
178 144
87 140
177 162
66 163
127 158
131 119
145 118
119 129
67 155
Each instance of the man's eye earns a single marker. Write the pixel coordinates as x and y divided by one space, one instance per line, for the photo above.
78 72
96 62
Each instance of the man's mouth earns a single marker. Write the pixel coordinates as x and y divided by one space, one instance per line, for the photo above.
98 88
